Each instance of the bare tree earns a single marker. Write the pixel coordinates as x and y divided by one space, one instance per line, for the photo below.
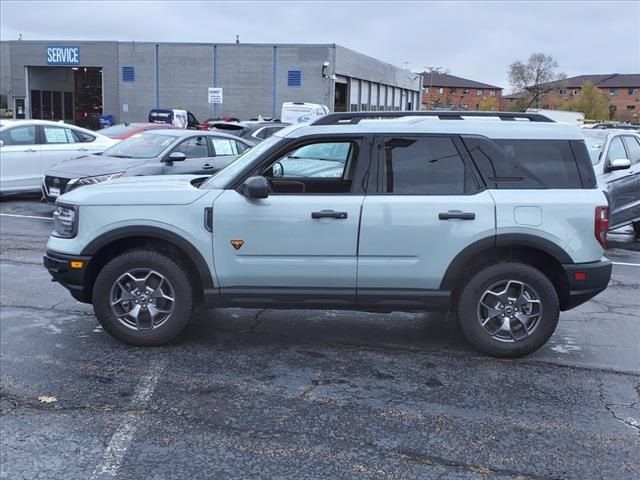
536 77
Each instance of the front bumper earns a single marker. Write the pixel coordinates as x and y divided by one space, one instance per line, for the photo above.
586 280
73 279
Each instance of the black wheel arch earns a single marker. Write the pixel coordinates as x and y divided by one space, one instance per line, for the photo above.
103 248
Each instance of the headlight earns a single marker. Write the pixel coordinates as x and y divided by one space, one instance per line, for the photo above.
91 180
65 222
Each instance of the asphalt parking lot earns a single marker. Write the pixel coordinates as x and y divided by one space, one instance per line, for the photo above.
270 394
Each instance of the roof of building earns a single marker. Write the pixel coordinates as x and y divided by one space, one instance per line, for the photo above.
607 80
446 80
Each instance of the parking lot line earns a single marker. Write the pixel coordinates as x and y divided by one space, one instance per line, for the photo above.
15 215
627 264
121 439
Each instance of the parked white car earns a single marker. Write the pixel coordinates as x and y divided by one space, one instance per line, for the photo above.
30 147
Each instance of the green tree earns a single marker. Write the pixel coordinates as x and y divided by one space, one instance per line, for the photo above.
590 101
489 103
536 77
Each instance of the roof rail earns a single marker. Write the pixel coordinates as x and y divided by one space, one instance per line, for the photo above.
351 118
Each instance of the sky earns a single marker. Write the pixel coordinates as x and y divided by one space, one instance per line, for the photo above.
471 39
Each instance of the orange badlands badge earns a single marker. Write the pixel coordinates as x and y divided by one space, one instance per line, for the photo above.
237 244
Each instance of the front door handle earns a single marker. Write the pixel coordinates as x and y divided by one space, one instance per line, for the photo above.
459 214
329 214
30 150
208 166
83 149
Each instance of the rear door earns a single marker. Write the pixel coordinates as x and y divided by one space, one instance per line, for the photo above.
428 207
59 144
20 158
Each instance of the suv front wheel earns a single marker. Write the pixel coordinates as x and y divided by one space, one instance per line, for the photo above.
509 309
143 297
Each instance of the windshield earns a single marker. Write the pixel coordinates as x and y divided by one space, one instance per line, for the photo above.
142 145
224 176
595 143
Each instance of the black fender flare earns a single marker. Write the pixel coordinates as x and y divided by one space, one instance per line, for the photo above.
457 265
159 234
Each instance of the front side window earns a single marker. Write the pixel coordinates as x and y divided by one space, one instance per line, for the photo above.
56 135
423 166
633 147
25 135
194 147
616 150
317 160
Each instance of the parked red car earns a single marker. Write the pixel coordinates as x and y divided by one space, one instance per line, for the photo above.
126 130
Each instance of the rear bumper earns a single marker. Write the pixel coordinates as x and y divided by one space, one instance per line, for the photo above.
73 279
595 278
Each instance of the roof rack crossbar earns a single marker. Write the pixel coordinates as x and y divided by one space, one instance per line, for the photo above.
351 118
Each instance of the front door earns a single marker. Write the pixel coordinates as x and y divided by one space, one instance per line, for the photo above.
428 209
19 109
621 185
199 157
299 243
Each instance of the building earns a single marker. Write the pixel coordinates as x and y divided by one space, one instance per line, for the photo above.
77 81
622 90
442 90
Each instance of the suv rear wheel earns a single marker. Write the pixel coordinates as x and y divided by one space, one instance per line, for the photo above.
509 309
143 297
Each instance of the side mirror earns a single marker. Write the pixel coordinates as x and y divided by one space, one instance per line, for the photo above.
619 164
174 157
255 187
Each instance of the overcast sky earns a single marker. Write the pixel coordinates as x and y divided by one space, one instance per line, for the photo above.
473 39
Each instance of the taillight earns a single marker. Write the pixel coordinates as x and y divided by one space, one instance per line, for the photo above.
601 225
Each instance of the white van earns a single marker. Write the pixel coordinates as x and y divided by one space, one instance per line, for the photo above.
574 118
302 112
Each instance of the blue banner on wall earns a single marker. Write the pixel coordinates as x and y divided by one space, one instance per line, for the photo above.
63 55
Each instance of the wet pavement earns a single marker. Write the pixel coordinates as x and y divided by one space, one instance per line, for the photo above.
308 394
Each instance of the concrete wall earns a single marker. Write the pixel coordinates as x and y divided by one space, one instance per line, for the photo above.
5 73
138 96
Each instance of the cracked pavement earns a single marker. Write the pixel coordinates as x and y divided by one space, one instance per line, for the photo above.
309 394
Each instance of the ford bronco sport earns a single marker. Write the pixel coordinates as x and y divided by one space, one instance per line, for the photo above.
495 218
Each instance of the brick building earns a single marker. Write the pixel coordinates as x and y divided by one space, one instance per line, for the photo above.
448 91
622 91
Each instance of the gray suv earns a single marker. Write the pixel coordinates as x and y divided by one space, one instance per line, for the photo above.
498 221
152 152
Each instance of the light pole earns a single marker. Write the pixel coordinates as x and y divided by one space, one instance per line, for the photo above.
432 70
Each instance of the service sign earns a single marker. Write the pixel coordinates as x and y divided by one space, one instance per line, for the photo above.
63 55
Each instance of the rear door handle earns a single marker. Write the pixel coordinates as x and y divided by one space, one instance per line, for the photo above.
329 214
30 150
457 214
83 149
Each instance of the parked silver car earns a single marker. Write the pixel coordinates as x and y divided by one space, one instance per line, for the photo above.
615 155
153 152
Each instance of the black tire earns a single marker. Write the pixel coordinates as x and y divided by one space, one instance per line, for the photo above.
175 277
636 229
474 291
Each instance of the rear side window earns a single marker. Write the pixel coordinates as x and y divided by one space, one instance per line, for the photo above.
424 166
82 137
518 163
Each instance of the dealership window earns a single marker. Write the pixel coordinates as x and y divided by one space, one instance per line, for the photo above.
3 101
374 96
294 78
354 95
364 96
128 74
